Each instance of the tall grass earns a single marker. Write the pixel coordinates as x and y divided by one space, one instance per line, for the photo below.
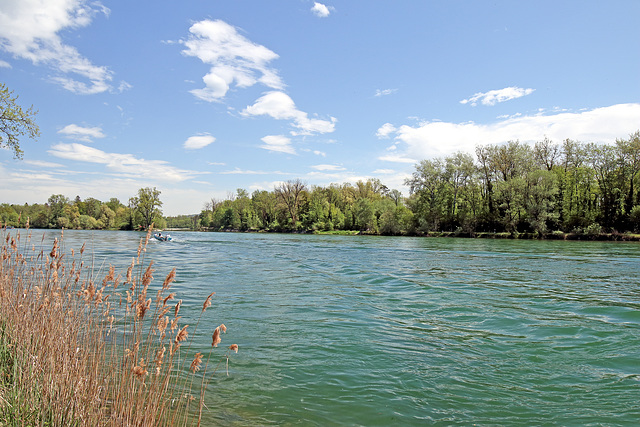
81 350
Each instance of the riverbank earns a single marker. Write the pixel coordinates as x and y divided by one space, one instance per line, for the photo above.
556 235
617 237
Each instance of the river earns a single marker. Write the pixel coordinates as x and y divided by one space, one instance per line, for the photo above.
364 330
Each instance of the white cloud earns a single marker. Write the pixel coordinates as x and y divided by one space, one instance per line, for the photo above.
385 130
281 107
238 171
43 164
278 143
4 64
233 58
397 159
385 92
198 141
320 10
320 153
80 133
384 171
436 139
328 168
498 95
30 29
125 164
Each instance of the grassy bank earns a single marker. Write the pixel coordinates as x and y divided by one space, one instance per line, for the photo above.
78 349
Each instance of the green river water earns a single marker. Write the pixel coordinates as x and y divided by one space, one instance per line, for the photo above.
357 330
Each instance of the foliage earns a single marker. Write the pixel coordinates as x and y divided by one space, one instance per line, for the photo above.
147 204
88 214
15 122
510 188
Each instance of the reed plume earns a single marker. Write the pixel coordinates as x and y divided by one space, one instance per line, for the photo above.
76 351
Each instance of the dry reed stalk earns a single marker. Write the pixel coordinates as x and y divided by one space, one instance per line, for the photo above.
70 367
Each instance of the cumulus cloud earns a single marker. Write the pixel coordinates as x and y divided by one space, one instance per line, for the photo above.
436 139
320 10
499 95
30 29
385 130
80 133
280 106
234 59
124 164
198 141
279 143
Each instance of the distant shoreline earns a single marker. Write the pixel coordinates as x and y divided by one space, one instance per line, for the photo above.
558 235
611 237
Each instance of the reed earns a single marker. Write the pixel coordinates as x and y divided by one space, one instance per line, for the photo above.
78 349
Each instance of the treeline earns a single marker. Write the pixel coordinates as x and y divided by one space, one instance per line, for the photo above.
568 187
89 214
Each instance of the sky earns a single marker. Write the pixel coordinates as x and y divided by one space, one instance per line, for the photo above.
199 98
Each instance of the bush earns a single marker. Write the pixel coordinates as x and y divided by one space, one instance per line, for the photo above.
593 230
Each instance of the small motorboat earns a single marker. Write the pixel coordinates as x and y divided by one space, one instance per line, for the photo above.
162 237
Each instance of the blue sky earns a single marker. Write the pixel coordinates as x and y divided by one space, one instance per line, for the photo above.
201 97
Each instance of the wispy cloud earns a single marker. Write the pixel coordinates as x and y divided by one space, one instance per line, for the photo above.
499 95
321 10
81 133
238 171
328 167
434 139
385 92
4 64
30 29
125 164
279 143
281 107
43 164
198 141
234 59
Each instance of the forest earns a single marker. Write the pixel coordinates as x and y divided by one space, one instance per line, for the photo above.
514 188
541 190
59 211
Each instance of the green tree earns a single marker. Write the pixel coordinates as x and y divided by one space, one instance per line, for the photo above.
540 197
291 195
91 207
106 217
427 190
364 214
603 161
147 203
15 122
57 203
8 216
264 204
629 158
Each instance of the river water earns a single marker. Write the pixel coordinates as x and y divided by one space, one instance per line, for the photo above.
362 330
